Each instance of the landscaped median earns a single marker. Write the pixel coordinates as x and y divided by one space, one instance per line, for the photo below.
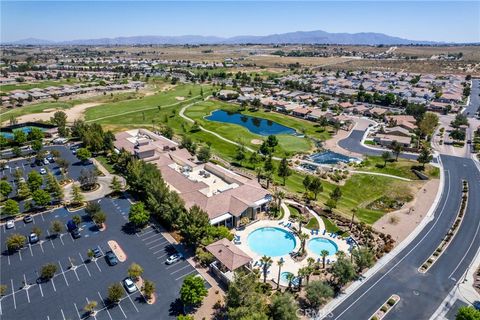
450 234
385 308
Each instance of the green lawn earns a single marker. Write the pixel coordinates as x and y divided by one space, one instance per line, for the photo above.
329 225
287 144
294 212
401 168
312 224
106 164
35 108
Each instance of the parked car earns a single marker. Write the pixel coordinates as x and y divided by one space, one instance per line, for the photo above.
111 258
33 238
76 233
45 161
129 285
174 258
28 219
10 224
50 159
43 171
71 225
97 253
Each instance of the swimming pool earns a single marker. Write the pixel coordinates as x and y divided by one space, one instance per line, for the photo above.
255 125
317 245
9 135
271 242
330 157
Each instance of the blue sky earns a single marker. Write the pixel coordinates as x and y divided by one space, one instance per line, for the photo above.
456 21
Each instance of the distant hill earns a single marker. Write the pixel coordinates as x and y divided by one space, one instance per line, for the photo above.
299 37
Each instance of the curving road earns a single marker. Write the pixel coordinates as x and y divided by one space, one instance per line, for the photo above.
421 294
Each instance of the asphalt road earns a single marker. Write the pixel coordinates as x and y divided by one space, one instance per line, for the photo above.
352 143
421 294
474 104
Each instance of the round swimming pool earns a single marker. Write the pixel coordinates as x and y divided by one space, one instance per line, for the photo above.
272 242
317 245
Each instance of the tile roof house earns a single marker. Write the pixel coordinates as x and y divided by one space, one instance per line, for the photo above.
226 196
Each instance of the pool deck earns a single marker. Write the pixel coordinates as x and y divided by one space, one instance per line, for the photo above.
289 265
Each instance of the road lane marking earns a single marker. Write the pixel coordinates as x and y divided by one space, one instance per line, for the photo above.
404 257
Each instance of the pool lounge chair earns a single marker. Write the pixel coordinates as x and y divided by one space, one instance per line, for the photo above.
324 231
280 223
316 232
312 232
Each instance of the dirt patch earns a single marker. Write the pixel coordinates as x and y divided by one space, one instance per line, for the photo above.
180 98
122 257
76 112
256 141
399 224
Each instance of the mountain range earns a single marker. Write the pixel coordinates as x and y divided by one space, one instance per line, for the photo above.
299 37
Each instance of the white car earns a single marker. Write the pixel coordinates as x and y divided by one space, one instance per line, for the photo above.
10 224
45 161
129 285
43 171
174 258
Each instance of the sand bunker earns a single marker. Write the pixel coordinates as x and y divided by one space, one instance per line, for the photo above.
180 98
256 141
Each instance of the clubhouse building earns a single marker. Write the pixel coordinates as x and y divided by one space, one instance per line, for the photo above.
226 196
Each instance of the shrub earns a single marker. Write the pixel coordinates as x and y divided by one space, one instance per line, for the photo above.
391 302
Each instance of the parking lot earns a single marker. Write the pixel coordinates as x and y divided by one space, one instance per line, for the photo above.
74 168
78 281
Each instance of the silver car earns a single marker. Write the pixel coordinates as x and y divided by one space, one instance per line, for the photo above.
129 285
174 258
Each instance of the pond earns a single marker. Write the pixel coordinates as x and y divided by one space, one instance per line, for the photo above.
255 125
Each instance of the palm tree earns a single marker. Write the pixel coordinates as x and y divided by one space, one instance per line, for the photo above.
302 273
340 254
280 195
290 278
354 210
303 239
324 254
259 171
309 271
266 263
280 264
310 261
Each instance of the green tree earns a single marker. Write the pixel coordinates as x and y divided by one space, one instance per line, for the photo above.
60 120
83 154
53 187
11 208
115 293
23 191
77 196
138 215
37 146
135 271
315 186
324 254
280 264
363 258
5 188
19 137
194 225
34 180
15 242
306 182
283 307
244 300
48 271
116 185
148 288
284 170
428 124
77 219
397 149
56 227
331 204
41 198
343 271
336 194
268 165
193 290
303 239
467 313
385 156
99 218
317 293
204 154
425 156
272 142
90 307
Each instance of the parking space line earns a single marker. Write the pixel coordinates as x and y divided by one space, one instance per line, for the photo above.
26 287
103 302
41 290
51 241
13 293
1 312
159 238
149 237
62 314
184 267
97 265
186 274
78 313
81 258
155 252
130 298
157 245
41 246
120 305
41 214
53 284
171 266
63 274
61 239
20 254
30 246
8 258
